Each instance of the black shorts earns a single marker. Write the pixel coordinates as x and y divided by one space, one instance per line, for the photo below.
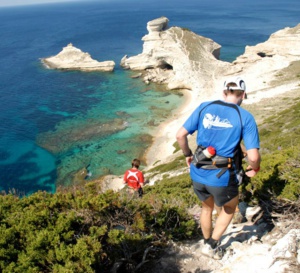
221 195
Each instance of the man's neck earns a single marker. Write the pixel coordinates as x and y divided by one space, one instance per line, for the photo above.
233 99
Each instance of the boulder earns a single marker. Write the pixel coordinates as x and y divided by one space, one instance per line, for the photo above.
72 58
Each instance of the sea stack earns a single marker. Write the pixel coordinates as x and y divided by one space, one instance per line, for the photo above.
72 58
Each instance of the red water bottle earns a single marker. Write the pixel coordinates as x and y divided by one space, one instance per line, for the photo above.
209 152
201 156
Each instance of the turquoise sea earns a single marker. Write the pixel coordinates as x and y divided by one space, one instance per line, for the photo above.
54 123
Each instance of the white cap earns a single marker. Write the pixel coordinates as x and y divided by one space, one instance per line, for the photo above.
240 84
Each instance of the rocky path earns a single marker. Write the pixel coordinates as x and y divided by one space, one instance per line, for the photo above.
258 245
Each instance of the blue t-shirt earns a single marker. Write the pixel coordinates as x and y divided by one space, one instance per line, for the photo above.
220 126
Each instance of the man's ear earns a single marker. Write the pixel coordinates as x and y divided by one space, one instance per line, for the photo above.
224 95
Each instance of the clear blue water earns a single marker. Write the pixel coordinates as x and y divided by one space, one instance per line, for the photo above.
51 120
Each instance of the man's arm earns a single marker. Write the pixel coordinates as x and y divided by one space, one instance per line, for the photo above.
141 179
125 178
253 157
183 143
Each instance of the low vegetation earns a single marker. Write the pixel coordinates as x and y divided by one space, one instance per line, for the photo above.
280 142
80 230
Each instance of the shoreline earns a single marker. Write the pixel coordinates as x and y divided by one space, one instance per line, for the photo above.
161 149
165 135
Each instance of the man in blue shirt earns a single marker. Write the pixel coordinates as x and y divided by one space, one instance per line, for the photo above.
221 125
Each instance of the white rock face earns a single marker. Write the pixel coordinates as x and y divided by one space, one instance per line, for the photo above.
72 58
158 24
260 63
182 59
177 57
285 43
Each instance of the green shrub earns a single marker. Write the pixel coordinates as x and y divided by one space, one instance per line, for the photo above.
83 232
280 166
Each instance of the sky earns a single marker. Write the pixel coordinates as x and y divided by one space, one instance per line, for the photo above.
6 3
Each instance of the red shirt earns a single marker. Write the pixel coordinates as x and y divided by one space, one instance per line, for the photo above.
133 178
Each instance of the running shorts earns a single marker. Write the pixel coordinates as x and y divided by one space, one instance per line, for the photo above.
221 195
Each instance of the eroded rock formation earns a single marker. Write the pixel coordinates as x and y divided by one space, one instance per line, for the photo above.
72 58
177 57
182 59
261 63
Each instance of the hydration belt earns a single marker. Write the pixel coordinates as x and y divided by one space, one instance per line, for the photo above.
216 162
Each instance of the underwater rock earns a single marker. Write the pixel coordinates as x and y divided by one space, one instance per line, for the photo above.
67 136
121 152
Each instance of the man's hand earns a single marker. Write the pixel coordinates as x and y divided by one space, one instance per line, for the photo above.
250 172
188 160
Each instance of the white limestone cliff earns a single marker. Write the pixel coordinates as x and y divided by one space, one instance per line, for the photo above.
72 58
260 63
177 57
182 59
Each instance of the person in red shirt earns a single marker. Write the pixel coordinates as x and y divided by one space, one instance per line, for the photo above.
134 178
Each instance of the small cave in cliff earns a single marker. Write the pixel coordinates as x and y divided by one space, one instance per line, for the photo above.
165 66
263 55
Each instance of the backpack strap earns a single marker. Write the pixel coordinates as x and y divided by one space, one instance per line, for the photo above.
237 157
